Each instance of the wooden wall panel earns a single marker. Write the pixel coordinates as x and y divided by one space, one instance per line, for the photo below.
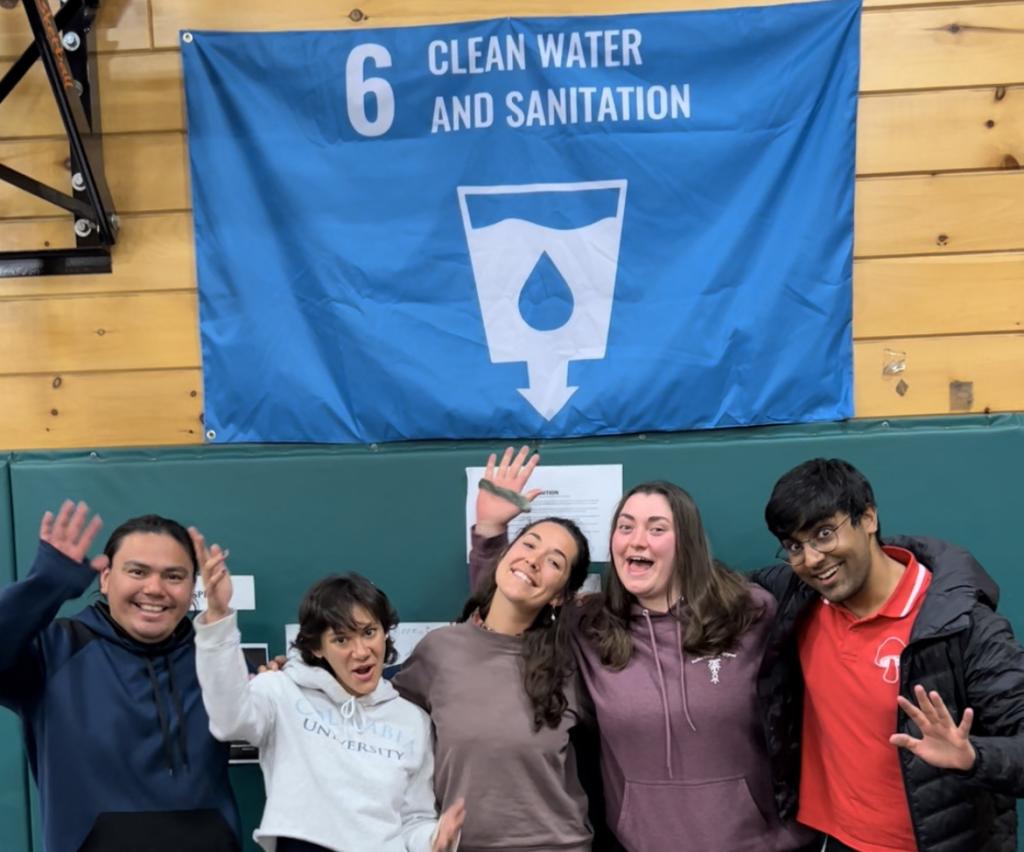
145 172
941 214
941 130
956 294
123 25
29 234
138 92
93 333
955 45
141 92
940 375
949 46
171 16
43 159
113 409
29 110
120 25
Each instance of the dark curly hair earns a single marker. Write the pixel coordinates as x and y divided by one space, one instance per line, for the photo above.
547 655
329 605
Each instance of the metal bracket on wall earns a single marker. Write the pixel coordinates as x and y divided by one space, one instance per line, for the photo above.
63 42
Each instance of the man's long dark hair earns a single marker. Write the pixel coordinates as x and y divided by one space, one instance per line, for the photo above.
547 654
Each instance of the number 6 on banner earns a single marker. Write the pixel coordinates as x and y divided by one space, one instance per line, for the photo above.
357 87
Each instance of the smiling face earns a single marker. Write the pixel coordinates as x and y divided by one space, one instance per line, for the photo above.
355 657
843 574
536 567
149 585
643 547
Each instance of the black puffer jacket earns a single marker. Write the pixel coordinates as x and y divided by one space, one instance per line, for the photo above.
958 647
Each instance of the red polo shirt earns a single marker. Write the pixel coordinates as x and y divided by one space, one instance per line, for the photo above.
851 786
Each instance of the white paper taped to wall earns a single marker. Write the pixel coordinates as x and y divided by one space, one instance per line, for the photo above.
243 594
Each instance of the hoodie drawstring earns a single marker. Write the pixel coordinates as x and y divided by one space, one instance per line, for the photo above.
664 697
165 728
682 677
352 711
176 698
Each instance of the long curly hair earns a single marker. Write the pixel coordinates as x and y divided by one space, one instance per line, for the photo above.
547 658
717 607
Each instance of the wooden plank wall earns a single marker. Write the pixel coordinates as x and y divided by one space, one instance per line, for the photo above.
939 271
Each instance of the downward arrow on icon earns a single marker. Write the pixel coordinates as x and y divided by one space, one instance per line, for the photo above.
549 389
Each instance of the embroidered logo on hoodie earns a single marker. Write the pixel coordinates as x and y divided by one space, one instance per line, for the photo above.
714 665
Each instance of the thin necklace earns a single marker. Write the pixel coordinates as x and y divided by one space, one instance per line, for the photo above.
490 629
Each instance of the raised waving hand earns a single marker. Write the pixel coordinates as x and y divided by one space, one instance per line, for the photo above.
943 743
216 578
501 496
72 532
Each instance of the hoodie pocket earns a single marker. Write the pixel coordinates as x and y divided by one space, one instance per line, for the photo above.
703 816
201 830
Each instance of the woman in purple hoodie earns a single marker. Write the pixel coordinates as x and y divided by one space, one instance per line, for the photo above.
669 653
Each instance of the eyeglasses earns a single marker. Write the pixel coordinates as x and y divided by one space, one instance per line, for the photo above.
823 539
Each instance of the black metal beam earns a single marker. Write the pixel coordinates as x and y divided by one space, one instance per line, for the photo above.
65 16
69 105
45 192
77 261
63 43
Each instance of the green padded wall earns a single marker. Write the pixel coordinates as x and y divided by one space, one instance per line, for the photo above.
13 771
395 512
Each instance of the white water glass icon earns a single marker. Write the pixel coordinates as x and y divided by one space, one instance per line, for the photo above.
506 251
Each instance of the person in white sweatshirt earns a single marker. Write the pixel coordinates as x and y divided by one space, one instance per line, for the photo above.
348 765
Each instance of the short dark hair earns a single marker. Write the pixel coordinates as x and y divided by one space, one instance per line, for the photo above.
814 491
329 605
154 525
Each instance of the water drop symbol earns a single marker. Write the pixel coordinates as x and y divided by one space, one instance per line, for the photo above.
545 301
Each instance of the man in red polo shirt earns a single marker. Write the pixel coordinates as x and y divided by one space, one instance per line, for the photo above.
911 728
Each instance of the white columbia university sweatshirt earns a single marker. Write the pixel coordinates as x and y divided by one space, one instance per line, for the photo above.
347 773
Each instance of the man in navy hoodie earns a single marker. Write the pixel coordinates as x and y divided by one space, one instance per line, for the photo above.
115 729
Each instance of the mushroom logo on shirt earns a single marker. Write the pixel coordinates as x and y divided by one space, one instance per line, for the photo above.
887 658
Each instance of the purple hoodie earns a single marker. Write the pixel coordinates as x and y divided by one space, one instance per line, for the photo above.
683 756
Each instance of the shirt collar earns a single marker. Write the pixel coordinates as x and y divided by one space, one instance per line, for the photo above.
911 586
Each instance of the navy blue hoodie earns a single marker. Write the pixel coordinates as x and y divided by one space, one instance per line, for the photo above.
115 729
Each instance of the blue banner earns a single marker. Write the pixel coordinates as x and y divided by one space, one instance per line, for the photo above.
534 227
